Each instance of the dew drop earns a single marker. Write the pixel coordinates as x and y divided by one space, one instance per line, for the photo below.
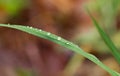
48 33
30 27
67 43
59 38
40 30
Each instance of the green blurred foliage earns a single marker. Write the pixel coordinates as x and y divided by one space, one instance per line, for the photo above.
24 72
107 12
13 7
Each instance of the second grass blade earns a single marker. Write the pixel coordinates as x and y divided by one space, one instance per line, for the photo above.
106 39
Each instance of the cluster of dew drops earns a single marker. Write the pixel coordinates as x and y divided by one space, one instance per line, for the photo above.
49 34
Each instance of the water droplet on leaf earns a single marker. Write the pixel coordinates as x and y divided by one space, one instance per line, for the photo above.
30 27
48 33
59 38
67 43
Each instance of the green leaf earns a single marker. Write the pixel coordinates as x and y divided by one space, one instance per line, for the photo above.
46 35
106 39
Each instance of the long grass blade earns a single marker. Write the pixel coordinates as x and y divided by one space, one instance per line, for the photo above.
62 42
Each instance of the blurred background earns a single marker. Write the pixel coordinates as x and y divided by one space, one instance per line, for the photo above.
22 54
